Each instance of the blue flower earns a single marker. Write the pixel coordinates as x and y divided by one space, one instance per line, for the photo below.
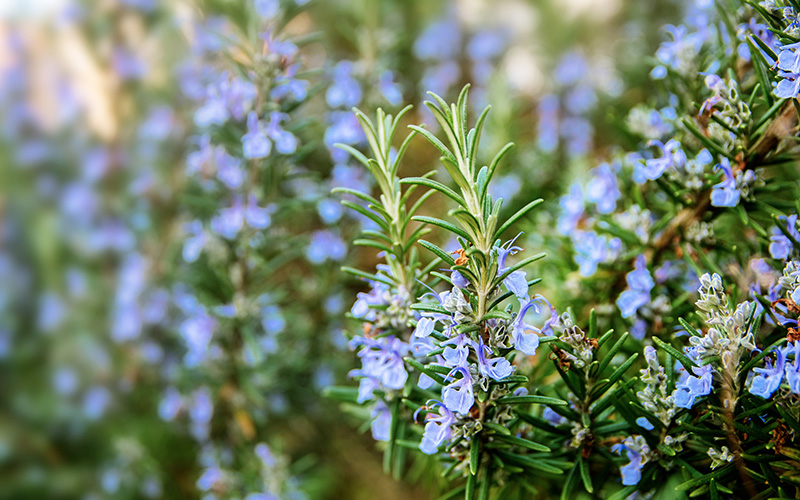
285 142
789 66
494 368
228 222
602 189
781 245
459 396
255 143
640 283
381 421
525 337
769 379
725 194
229 169
382 360
437 429
691 388
517 281
672 157
592 249
345 91
267 8
571 209
390 90
634 449
644 423
440 41
325 245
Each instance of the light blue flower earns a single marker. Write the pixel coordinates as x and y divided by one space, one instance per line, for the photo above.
725 194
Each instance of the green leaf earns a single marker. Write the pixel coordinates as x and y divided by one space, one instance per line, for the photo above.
438 186
450 261
542 400
524 443
469 492
366 213
368 276
474 455
685 361
694 483
618 373
611 353
514 218
341 393
497 428
444 225
435 141
585 475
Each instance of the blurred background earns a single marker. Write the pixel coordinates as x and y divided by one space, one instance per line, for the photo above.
154 345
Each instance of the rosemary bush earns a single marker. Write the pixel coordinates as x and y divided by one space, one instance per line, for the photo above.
463 361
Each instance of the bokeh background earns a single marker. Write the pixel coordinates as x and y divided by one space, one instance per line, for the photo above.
134 366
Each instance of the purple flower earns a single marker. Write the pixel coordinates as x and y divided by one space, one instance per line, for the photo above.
195 243
255 143
390 90
640 283
632 472
693 387
437 429
458 396
769 379
257 217
516 282
381 421
345 91
525 337
440 41
792 370
672 157
325 245
267 8
382 360
781 245
494 368
228 221
285 142
789 66
229 169
602 189
725 194
572 205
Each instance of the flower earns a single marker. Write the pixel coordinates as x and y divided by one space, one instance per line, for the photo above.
640 283
769 378
381 421
635 449
494 368
523 340
672 157
602 189
725 194
437 429
781 245
458 396
691 388
789 69
517 281
255 143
